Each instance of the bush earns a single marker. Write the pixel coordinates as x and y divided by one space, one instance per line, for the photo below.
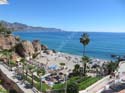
72 87
3 90
36 79
43 87
82 79
12 63
4 30
58 86
62 64
37 84
74 78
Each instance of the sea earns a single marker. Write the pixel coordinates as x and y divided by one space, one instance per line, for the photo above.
102 44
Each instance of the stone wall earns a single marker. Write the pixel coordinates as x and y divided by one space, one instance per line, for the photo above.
9 84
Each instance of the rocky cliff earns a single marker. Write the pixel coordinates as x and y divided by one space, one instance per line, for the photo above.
7 42
24 48
37 46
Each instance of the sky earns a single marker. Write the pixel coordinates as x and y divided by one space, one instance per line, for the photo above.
70 15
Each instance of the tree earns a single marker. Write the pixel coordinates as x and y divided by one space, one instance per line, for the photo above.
85 60
8 54
40 73
97 68
76 69
85 41
72 87
23 61
32 69
111 67
26 67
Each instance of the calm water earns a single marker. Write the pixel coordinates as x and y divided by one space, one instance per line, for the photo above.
102 45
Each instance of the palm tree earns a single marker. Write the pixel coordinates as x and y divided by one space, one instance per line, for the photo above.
85 60
85 41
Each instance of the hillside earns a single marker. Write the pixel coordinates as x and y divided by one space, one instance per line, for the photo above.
23 27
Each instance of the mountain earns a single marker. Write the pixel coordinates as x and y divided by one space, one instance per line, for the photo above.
23 27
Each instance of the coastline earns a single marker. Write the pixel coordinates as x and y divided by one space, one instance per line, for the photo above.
69 43
88 56
55 59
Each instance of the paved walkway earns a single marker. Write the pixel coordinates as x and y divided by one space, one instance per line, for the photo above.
10 75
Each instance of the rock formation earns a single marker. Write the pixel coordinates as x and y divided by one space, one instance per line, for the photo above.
25 49
7 42
43 47
37 46
15 57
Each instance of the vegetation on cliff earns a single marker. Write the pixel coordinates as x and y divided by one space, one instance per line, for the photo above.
4 30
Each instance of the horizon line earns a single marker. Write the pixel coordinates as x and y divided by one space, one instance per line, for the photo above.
65 29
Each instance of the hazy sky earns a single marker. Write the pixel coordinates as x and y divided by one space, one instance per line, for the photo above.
73 15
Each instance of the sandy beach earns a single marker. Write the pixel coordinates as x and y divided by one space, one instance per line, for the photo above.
51 58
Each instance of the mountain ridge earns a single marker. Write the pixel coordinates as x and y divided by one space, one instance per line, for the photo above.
17 26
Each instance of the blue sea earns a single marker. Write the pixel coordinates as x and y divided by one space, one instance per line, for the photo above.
102 45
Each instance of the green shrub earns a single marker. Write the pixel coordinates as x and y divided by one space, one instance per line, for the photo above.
36 79
62 64
72 87
2 90
12 63
37 84
58 86
88 82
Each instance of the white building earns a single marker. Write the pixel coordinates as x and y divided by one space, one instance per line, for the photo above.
121 72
